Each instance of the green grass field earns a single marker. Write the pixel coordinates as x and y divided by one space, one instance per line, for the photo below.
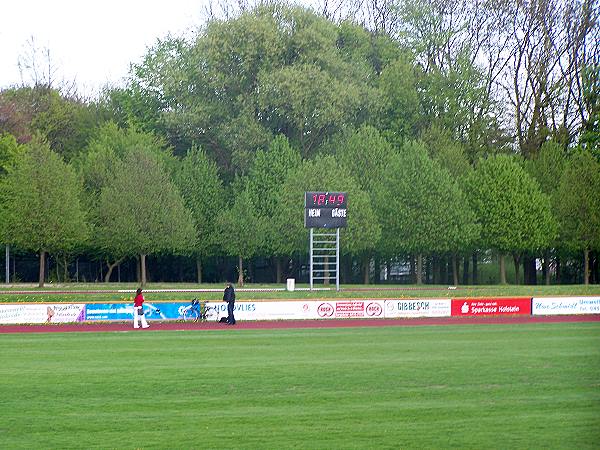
478 386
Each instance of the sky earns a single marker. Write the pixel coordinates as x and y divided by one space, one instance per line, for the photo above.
91 43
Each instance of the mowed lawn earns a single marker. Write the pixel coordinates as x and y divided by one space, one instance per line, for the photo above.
476 386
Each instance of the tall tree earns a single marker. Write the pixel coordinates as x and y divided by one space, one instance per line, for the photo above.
514 214
97 165
65 122
265 179
579 206
197 178
242 230
41 204
275 69
546 167
141 212
421 208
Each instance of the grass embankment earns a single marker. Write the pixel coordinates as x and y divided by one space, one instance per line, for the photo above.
108 292
478 386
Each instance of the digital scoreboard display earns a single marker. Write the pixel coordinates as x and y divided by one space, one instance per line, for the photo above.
325 209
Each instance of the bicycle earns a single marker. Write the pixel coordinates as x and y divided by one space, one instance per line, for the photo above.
199 310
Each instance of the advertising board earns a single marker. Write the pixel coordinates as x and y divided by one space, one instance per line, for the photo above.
491 306
548 306
418 308
42 313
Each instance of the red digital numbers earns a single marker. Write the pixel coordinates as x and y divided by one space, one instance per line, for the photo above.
330 199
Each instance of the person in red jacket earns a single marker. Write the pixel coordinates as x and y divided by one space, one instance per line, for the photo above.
138 310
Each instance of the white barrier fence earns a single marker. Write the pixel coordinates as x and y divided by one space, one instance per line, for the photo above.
23 313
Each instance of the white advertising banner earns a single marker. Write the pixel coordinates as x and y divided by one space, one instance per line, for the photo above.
271 310
418 308
347 309
309 309
42 313
547 306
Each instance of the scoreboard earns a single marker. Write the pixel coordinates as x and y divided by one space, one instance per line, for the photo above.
325 209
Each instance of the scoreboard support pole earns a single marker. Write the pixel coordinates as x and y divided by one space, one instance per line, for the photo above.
324 247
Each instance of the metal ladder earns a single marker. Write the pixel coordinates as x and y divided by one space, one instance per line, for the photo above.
324 252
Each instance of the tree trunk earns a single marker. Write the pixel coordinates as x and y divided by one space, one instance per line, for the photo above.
530 270
42 274
516 259
502 269
377 270
240 271
199 269
142 270
366 266
111 267
465 271
475 274
586 266
454 270
419 269
278 269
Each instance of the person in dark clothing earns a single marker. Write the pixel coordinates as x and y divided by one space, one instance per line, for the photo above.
229 297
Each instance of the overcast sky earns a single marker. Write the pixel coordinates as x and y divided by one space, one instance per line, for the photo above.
91 42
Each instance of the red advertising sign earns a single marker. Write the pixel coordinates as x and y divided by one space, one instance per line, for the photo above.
491 306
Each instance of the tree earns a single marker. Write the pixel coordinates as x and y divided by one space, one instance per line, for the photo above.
265 179
65 122
515 216
400 110
546 166
242 230
10 152
421 208
108 148
590 136
363 151
41 204
275 69
197 178
141 212
579 206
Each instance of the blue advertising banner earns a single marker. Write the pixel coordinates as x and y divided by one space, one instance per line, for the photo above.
124 311
152 311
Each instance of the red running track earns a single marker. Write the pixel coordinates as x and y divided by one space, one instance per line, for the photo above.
253 325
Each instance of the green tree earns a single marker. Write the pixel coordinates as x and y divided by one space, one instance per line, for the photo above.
590 135
41 204
242 230
400 111
546 167
363 151
514 214
579 207
108 148
10 151
197 178
141 212
265 179
421 208
275 69
65 122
